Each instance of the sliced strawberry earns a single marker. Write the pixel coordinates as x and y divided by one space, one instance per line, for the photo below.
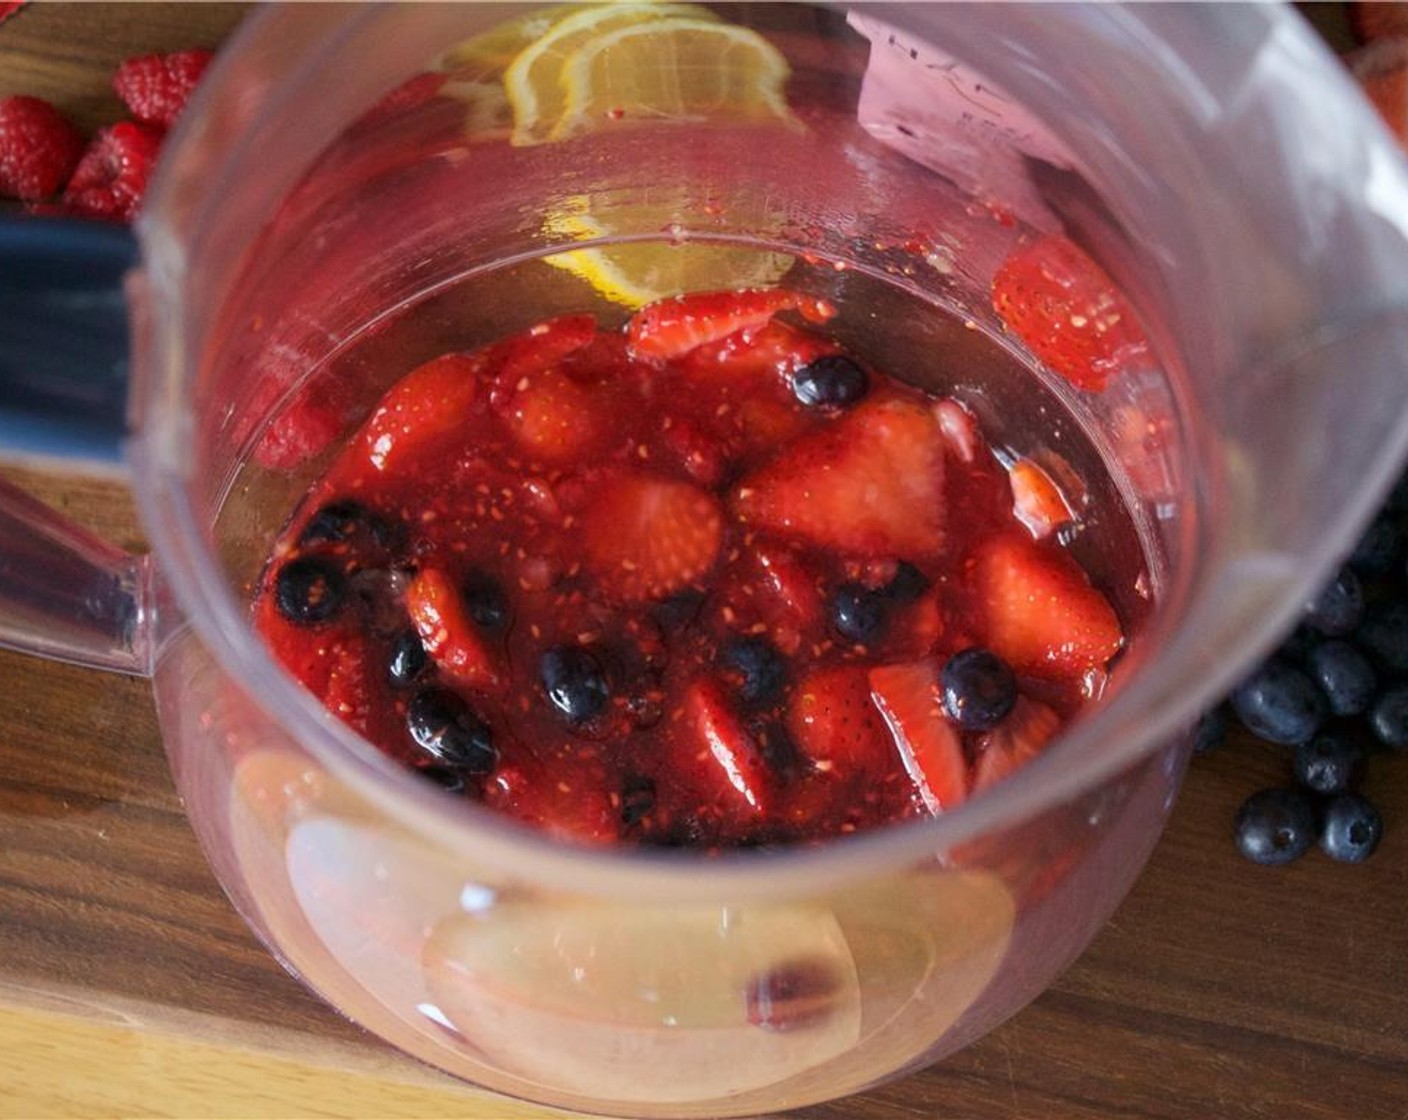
569 796
959 429
670 328
429 402
646 537
869 483
1036 501
439 615
557 420
908 696
1014 742
921 624
833 721
733 764
1041 614
544 346
769 352
694 450
1058 301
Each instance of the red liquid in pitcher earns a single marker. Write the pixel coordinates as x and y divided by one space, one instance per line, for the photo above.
709 579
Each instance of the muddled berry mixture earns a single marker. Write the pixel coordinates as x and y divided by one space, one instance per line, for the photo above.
706 580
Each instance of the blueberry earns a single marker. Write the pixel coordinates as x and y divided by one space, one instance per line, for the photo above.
1352 828
909 583
1343 674
408 660
1211 730
679 610
1327 764
1275 826
574 682
342 520
978 689
1339 607
446 777
485 601
1389 717
1279 703
858 612
309 590
1380 550
761 667
833 380
450 731
637 800
1384 636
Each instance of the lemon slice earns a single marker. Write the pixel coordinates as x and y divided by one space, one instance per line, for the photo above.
634 273
533 78
673 70
490 52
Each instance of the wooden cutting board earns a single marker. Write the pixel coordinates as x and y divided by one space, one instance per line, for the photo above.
128 987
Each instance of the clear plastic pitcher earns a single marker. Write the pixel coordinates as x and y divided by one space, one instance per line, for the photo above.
306 243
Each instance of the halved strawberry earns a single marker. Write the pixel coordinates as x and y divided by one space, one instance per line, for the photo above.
646 537
1014 742
833 721
869 483
439 615
1040 613
670 328
733 764
429 402
555 418
1036 501
1052 296
769 352
908 696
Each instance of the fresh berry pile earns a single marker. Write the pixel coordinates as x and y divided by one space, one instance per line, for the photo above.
45 163
1333 694
706 581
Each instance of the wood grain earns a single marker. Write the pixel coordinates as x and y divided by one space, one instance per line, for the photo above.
129 987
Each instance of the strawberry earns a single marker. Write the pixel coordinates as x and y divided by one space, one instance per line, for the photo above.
733 763
908 696
959 429
836 725
772 350
555 419
671 328
1036 501
1014 742
1040 612
695 451
39 148
298 432
544 346
566 796
647 537
869 483
439 615
1058 301
429 402
156 87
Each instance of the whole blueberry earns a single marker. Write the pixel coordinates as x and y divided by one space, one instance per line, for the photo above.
909 583
336 521
309 590
1389 717
1279 703
485 601
1327 764
1380 550
574 682
1275 826
450 731
833 380
408 659
1352 828
978 689
858 612
446 777
761 667
1384 635
1343 674
1211 731
1339 606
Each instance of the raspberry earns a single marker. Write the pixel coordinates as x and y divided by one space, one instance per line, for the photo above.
112 175
9 8
156 86
38 148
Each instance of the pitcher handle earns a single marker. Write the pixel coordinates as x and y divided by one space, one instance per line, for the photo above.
64 592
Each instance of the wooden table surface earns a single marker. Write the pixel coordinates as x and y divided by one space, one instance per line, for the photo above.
129 987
